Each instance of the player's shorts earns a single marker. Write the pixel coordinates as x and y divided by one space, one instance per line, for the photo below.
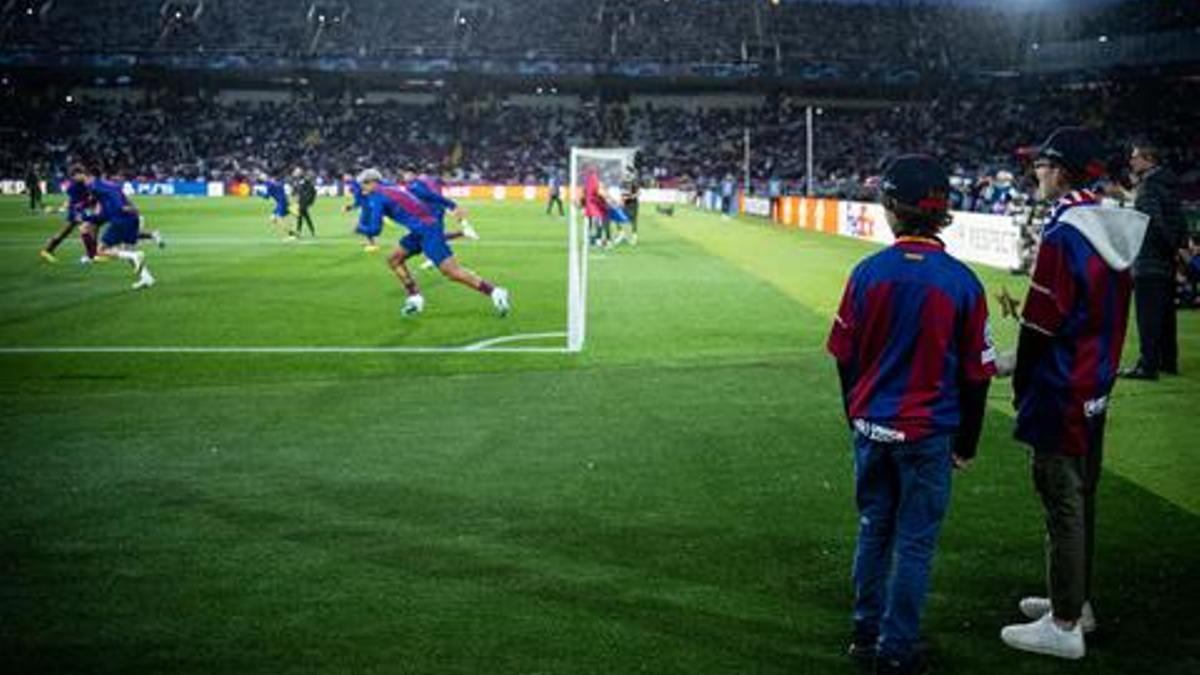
121 230
429 240
281 210
74 215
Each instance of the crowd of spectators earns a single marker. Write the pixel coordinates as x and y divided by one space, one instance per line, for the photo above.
495 140
926 35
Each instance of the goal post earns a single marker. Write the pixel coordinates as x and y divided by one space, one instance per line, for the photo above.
610 167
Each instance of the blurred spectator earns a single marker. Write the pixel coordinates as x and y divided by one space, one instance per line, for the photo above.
1155 267
973 130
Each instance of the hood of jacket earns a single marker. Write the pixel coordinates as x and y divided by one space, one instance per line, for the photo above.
1115 233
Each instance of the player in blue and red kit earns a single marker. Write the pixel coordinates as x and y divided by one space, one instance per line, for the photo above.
274 190
913 354
1068 354
355 203
429 190
121 222
79 200
421 210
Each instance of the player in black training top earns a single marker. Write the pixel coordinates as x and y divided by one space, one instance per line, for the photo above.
33 186
306 195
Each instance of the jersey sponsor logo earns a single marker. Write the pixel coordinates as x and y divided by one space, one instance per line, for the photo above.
878 432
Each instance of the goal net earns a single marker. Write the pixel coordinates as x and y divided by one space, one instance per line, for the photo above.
605 169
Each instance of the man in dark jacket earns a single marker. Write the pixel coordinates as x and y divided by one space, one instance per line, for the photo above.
306 195
1154 269
33 185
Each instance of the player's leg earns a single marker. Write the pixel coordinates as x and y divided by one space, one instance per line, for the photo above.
621 236
450 269
924 480
52 244
88 236
467 232
119 241
278 224
409 246
312 228
877 496
150 235
437 250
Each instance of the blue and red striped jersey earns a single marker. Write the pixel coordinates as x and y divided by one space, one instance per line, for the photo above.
428 191
1079 297
912 325
111 199
399 204
79 199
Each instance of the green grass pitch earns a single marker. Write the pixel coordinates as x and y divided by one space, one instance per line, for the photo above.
675 499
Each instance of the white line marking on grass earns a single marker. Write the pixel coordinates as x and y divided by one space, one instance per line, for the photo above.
349 245
484 345
491 345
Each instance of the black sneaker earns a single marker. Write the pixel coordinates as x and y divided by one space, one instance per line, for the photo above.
862 651
916 664
1138 373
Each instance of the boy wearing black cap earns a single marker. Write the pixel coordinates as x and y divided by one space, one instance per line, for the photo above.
1073 328
914 358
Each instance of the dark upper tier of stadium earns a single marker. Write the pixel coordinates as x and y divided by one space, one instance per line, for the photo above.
928 36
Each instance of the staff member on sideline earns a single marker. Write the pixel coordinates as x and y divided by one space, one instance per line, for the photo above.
554 193
1073 327
306 196
1154 269
914 358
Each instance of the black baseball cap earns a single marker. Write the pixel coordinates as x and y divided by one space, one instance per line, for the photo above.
1077 149
918 181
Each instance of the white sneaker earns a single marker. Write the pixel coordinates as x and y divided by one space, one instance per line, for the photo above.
158 239
144 281
427 265
415 304
500 300
1044 636
85 260
469 232
1035 608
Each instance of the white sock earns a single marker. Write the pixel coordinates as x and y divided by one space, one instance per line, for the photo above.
128 256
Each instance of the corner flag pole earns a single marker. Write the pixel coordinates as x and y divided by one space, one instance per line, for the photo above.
746 160
808 152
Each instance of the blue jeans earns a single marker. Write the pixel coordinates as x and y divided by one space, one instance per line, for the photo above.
902 491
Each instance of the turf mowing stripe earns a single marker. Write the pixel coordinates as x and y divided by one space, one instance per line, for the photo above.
488 345
469 349
33 243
